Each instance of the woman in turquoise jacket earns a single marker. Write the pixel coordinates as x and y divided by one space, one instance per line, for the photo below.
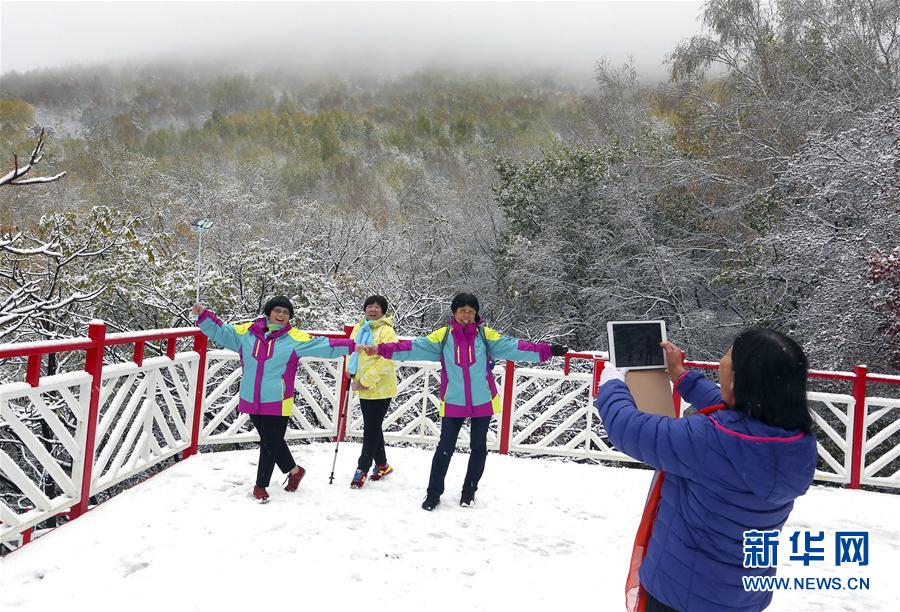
270 350
466 349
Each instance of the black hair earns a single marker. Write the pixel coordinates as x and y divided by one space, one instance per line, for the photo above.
770 371
464 299
376 299
279 300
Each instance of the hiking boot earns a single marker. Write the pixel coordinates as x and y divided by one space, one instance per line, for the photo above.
359 479
467 499
380 471
431 502
293 480
260 494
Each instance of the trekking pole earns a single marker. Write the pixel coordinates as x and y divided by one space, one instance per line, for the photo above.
344 408
200 226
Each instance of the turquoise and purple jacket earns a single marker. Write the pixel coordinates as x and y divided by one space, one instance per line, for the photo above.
468 387
269 360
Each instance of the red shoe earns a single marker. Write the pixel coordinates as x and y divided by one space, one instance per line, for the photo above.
380 471
260 494
359 479
293 480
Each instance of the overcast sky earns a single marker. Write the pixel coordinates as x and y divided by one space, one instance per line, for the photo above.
376 37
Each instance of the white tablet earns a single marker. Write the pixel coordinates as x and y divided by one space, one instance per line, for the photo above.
636 344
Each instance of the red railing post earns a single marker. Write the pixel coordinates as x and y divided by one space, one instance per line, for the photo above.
139 353
509 384
859 425
33 372
93 364
342 398
676 397
345 389
200 344
676 401
598 368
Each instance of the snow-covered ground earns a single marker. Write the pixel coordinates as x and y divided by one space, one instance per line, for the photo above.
544 535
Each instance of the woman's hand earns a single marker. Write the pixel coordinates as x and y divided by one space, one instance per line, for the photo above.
358 386
674 361
197 309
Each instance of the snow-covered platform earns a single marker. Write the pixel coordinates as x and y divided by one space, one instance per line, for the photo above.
544 535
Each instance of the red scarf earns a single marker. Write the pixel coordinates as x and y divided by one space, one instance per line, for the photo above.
635 595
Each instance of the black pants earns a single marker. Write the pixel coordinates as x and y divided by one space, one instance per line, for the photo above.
478 453
373 412
655 605
272 447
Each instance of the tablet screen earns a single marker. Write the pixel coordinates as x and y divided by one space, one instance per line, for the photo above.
637 345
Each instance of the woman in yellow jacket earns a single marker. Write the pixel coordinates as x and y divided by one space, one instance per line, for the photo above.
375 383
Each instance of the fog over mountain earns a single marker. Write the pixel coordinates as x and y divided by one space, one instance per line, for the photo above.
373 38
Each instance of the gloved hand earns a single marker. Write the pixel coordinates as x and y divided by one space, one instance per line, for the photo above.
610 372
558 350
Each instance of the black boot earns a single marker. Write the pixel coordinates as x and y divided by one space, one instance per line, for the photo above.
431 502
467 499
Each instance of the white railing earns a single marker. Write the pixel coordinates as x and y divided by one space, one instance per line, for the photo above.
317 384
554 414
878 451
839 409
22 405
145 416
414 415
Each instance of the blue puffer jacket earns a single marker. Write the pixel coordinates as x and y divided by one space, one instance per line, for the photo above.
725 473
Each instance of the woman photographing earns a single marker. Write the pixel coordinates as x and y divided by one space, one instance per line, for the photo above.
737 466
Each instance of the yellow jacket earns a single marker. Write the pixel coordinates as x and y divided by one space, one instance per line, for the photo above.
376 372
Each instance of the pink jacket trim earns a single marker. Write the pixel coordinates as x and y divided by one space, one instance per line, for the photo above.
742 436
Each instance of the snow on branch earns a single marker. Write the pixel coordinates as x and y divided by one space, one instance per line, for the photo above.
15 177
48 249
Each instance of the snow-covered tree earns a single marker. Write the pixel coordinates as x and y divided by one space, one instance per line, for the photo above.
50 274
810 272
885 272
